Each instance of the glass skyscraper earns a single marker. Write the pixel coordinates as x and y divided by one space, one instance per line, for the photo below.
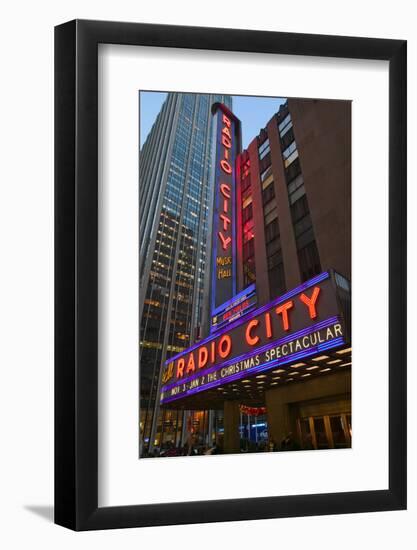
175 189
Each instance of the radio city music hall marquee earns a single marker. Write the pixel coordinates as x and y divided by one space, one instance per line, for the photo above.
299 324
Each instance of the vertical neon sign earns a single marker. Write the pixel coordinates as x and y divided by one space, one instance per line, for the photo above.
223 286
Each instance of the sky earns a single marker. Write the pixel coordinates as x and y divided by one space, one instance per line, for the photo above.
254 113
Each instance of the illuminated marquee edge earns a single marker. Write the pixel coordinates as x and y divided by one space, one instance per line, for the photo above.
330 344
254 351
250 315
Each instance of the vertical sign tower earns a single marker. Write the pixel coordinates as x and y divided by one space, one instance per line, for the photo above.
227 301
227 147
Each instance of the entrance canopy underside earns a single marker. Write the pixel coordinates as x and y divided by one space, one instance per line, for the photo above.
251 390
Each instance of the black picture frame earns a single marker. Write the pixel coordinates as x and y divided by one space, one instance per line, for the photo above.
76 272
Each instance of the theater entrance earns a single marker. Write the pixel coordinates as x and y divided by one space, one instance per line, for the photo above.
325 432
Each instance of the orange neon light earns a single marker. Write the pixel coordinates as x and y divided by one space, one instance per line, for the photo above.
225 240
227 142
225 166
202 357
226 221
224 351
311 302
283 310
180 367
226 120
212 352
268 325
191 364
251 340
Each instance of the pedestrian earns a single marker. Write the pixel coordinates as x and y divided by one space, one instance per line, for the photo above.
289 444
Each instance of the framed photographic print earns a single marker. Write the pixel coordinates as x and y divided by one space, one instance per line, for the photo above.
230 275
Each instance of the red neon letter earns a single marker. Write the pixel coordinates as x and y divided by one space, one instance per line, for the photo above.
225 241
202 357
311 302
213 352
226 141
224 350
268 325
251 340
283 310
225 190
226 120
180 367
226 166
226 132
191 364
226 221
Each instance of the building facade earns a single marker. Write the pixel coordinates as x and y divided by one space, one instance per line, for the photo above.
175 197
295 197
293 231
296 224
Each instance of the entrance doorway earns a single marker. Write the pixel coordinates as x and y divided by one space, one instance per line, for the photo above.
325 432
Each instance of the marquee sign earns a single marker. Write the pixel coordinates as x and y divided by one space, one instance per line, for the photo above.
223 285
301 323
239 305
